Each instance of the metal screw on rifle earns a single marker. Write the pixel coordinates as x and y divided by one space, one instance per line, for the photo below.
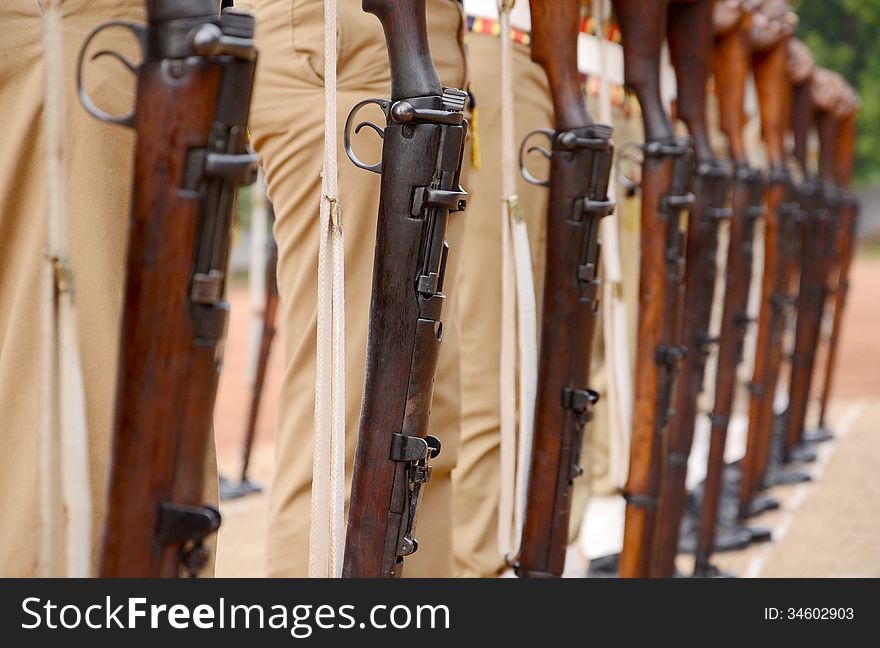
176 68
408 546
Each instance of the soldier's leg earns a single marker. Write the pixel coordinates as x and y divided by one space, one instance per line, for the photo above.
476 482
287 126
98 167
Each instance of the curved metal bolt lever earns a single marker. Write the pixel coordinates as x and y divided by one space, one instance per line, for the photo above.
140 33
119 57
209 40
368 124
346 139
525 150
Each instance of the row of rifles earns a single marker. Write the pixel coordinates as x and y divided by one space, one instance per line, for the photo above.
808 227
193 100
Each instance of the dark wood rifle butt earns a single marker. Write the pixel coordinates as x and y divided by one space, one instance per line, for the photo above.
643 30
423 143
569 316
748 206
818 262
731 68
666 177
691 45
845 151
554 43
810 300
845 253
171 118
809 288
774 102
644 476
759 391
659 349
375 510
691 42
844 161
827 126
190 157
711 187
569 311
406 34
802 122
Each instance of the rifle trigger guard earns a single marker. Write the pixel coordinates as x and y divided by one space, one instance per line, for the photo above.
346 138
141 33
523 152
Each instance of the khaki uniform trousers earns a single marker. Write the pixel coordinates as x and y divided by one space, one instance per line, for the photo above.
287 127
98 170
98 166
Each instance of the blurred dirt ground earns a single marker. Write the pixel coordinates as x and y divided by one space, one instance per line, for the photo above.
830 527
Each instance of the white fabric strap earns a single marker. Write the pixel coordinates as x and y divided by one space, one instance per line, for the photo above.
518 320
326 541
507 369
257 274
619 380
528 361
65 485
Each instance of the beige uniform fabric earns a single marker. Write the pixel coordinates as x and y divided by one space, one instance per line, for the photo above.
98 175
98 172
287 129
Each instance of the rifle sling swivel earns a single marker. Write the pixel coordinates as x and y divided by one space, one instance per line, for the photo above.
187 526
413 451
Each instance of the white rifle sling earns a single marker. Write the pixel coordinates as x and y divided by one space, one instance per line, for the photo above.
518 319
64 481
328 478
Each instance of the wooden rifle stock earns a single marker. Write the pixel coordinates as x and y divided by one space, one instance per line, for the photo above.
193 99
691 42
844 160
780 222
423 145
731 69
731 66
749 195
811 289
666 178
580 169
818 263
803 117
780 225
643 28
